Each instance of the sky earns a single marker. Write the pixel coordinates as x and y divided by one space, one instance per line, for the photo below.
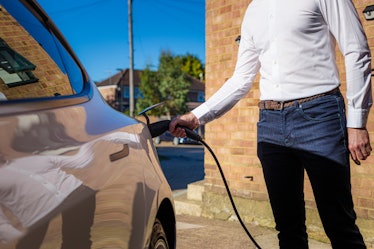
97 30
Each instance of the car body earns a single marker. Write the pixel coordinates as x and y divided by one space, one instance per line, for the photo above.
74 173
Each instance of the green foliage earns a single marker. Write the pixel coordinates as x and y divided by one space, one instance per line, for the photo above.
149 87
168 84
173 85
192 65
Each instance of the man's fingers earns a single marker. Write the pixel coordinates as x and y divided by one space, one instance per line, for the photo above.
175 130
366 151
188 120
368 148
172 126
179 132
358 154
359 144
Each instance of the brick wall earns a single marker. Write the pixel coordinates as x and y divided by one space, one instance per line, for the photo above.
236 143
51 79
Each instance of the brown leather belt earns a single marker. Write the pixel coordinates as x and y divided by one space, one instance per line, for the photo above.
280 105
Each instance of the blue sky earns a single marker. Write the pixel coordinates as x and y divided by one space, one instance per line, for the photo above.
98 31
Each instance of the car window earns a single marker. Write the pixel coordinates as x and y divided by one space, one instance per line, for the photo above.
33 63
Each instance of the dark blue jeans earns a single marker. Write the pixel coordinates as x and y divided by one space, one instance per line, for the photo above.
311 136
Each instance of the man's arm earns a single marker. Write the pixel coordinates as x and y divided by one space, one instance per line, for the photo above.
344 23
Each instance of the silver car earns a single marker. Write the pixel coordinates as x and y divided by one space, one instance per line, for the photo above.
74 173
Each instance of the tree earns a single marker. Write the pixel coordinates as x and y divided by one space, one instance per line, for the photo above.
149 83
169 83
173 85
192 65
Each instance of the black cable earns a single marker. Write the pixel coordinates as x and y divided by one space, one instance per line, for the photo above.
229 194
160 127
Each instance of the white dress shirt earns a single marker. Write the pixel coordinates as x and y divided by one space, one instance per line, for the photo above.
292 44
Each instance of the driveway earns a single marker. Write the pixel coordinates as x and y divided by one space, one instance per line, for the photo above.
182 164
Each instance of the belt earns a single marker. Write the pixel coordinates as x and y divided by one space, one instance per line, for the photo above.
280 105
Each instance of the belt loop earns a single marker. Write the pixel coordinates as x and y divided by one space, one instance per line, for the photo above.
281 105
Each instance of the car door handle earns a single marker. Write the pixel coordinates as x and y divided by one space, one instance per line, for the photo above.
120 154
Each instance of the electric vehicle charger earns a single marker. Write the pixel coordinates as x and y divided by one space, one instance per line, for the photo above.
158 128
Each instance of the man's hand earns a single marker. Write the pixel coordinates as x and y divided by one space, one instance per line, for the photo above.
359 144
188 120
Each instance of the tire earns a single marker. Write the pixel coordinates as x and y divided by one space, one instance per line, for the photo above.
158 237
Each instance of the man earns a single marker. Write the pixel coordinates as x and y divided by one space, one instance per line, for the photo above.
302 124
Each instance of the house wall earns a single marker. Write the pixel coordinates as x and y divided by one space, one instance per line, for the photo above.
108 92
236 143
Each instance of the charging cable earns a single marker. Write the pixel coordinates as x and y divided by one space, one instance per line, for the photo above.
160 127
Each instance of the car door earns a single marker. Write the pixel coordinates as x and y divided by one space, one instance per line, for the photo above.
71 167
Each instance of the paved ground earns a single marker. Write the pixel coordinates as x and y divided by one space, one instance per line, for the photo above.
184 164
197 232
202 233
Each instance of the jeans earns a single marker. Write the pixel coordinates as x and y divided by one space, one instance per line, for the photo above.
310 136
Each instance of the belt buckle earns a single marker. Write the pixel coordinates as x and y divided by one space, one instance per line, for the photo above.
281 103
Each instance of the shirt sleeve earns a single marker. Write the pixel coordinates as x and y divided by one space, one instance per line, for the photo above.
237 86
344 24
8 233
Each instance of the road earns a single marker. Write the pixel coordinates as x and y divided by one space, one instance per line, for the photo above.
182 164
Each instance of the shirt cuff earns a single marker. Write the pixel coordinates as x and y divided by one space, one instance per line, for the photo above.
357 118
202 113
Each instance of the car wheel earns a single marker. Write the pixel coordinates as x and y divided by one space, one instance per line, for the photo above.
158 237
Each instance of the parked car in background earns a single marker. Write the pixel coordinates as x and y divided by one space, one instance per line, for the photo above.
168 137
74 173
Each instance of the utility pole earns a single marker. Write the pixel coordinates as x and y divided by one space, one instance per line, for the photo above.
131 55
